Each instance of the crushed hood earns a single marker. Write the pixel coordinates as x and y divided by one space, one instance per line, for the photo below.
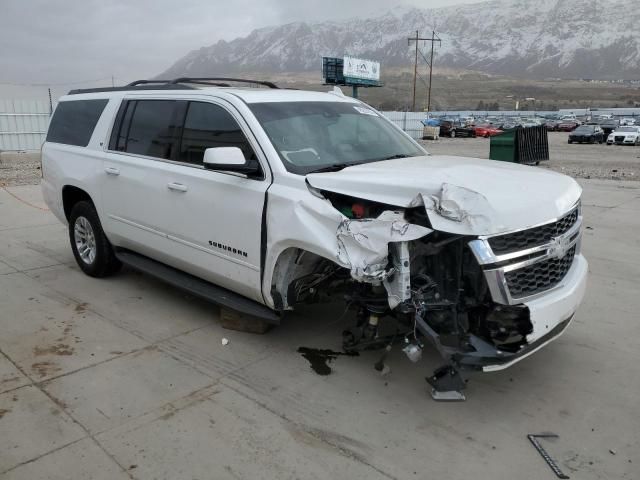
461 195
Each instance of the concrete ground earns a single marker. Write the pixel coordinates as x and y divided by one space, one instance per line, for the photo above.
617 162
128 378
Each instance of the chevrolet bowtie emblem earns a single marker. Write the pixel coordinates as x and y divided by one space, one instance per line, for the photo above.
559 247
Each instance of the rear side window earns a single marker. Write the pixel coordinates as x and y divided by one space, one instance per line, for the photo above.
150 127
74 121
208 126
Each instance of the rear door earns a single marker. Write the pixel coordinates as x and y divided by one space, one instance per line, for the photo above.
136 166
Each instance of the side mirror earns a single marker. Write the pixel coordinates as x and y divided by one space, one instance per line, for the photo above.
229 159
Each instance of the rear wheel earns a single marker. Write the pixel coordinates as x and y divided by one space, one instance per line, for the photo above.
91 248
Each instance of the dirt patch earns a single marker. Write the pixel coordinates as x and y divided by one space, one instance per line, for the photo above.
58 349
3 412
81 307
9 380
44 369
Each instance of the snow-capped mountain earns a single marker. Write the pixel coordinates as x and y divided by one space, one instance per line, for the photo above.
533 38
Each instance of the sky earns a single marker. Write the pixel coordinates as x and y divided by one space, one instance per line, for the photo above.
80 43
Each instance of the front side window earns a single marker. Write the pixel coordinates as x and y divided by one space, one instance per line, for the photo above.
310 136
209 126
152 129
74 121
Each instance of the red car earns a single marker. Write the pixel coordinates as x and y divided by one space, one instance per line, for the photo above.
486 131
568 126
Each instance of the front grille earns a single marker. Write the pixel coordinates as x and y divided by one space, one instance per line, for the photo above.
540 276
619 139
532 237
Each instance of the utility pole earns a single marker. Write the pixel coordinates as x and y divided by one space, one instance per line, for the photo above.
415 71
417 39
433 41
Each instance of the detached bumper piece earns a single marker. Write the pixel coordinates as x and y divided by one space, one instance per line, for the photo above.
447 385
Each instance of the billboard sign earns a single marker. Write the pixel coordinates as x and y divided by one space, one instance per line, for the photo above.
358 68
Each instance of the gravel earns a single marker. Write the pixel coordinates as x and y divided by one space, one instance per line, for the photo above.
19 169
577 160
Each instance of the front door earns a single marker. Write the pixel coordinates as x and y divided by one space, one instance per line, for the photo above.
214 219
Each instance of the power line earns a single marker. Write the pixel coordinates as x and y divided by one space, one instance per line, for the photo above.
56 84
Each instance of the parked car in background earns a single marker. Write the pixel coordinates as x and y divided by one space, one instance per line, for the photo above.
624 136
455 128
587 134
568 125
569 117
627 121
486 130
609 125
552 124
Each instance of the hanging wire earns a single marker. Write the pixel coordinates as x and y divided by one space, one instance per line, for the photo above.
55 84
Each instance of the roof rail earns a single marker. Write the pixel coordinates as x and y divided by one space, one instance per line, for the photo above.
145 82
208 80
175 84
129 88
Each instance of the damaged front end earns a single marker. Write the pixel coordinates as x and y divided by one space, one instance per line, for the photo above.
460 292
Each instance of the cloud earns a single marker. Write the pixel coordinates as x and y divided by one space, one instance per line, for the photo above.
52 42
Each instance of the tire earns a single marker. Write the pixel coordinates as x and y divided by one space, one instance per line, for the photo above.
90 246
569 141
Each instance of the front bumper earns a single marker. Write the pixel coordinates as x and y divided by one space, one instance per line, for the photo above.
550 315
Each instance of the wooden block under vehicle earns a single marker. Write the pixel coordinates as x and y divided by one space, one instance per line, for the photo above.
233 320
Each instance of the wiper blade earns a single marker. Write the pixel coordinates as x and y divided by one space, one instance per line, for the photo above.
336 167
393 157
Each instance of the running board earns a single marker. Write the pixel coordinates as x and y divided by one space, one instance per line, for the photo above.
197 287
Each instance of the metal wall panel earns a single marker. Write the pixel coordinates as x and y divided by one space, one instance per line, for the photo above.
23 124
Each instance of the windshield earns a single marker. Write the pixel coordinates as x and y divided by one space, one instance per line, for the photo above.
311 136
627 129
584 129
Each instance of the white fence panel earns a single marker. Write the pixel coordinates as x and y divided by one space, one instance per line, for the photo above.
410 122
23 124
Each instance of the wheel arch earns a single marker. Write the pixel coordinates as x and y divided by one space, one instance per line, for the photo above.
291 264
71 195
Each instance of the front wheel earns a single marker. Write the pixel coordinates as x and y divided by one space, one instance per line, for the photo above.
91 248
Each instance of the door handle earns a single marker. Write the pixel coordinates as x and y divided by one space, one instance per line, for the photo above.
112 171
178 187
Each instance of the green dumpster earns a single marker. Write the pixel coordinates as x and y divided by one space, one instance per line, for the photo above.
521 145
504 147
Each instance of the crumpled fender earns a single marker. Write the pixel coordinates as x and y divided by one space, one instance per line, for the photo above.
363 245
299 219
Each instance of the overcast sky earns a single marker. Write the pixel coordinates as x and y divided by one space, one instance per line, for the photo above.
64 41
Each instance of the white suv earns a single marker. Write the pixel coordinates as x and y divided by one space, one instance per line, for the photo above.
261 198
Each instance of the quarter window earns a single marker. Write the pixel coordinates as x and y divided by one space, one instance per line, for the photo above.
153 129
209 126
74 121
